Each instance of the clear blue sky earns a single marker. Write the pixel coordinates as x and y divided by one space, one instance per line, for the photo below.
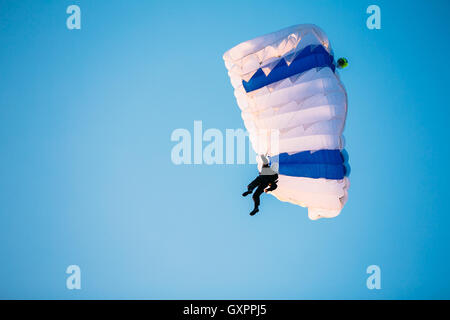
86 176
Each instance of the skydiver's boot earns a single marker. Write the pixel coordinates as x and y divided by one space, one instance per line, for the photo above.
246 193
254 211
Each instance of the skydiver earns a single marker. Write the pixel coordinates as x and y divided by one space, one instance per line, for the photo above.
265 182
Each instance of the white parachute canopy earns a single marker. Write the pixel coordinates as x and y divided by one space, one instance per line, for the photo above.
286 82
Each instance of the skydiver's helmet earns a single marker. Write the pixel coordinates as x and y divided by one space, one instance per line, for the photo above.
342 63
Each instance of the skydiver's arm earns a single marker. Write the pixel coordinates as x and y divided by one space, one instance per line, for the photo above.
272 186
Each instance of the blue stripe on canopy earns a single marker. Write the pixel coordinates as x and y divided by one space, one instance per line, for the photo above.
328 164
308 58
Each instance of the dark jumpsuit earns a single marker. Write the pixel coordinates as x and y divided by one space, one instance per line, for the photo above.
262 182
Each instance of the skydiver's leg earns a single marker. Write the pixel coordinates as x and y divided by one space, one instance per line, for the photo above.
256 199
252 186
246 193
254 183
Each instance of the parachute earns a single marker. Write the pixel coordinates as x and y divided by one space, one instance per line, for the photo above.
294 108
